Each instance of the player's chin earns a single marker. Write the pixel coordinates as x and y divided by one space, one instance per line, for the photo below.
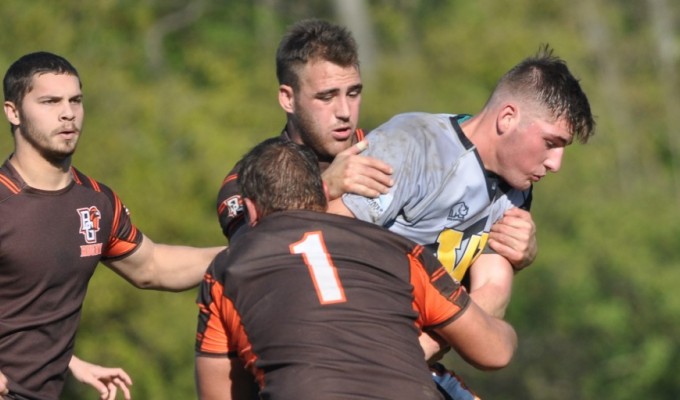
522 185
338 146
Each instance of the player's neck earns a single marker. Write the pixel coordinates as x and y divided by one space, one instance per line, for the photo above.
40 173
479 130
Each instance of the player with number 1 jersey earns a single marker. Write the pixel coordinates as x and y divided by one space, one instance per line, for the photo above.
322 306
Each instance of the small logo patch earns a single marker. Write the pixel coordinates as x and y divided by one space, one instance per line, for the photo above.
234 206
458 212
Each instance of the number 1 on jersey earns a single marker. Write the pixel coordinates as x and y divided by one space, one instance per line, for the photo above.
321 267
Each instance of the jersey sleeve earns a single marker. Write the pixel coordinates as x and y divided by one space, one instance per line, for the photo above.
438 298
211 333
396 143
125 237
230 211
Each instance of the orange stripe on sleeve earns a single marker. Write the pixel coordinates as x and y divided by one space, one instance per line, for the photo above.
74 173
229 178
95 185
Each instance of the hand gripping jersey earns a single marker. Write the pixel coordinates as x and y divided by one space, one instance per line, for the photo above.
321 306
230 211
50 244
443 197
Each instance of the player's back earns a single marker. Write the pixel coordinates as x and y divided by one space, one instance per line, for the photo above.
326 303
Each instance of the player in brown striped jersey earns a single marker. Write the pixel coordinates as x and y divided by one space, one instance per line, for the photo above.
320 87
326 307
56 225
317 67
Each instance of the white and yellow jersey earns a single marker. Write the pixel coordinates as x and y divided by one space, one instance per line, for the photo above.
443 197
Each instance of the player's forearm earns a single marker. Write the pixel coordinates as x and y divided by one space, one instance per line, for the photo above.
491 279
180 268
491 298
483 341
165 267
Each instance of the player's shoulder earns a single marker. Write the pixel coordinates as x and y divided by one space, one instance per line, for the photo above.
418 117
91 184
10 185
413 125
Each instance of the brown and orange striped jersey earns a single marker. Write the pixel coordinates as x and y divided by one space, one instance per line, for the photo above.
230 212
321 306
50 244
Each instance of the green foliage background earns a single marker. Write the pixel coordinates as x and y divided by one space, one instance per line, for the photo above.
176 91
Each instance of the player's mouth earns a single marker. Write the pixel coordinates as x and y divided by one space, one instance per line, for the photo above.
342 134
69 133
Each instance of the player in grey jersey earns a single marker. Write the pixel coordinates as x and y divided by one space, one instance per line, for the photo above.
456 175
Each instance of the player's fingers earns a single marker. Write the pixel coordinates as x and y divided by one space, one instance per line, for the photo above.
510 253
518 212
355 149
361 146
123 387
369 186
376 164
123 376
367 161
112 391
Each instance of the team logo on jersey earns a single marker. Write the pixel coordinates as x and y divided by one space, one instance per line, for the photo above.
458 212
234 205
457 250
89 226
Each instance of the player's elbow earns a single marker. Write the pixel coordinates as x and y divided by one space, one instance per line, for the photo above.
491 363
498 361
498 355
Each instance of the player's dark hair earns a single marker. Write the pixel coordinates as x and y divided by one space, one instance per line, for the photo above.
18 80
279 175
313 39
546 79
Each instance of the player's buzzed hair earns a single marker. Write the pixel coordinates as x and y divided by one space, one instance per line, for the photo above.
279 175
313 39
546 80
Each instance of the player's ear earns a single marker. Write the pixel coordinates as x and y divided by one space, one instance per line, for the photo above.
251 212
508 118
287 98
12 113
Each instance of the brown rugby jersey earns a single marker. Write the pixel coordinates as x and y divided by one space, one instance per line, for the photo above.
50 244
230 212
321 306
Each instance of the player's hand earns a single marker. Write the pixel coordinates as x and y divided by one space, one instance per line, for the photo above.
514 237
352 173
106 381
433 346
4 390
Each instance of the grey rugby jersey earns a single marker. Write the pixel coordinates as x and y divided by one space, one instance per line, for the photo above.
443 197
